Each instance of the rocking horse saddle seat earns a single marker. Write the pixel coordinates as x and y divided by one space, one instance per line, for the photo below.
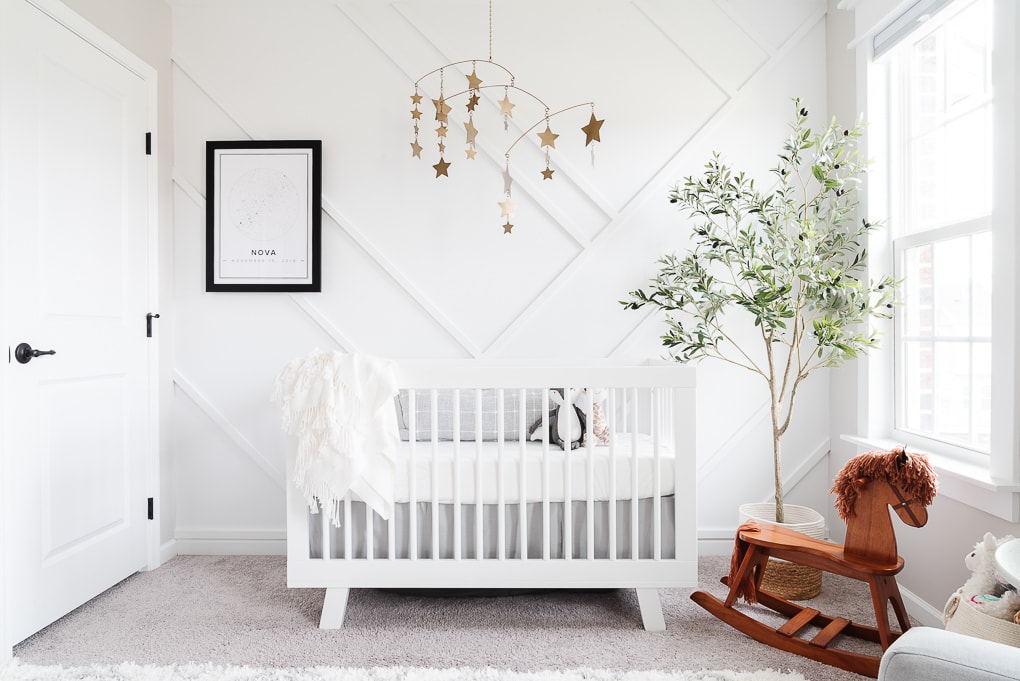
796 547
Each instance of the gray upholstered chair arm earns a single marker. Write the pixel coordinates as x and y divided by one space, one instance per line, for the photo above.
937 655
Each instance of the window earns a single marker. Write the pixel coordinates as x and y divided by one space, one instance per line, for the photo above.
941 92
941 140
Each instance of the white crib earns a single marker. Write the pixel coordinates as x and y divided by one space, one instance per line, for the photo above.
503 511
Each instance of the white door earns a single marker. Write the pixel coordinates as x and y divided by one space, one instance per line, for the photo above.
76 281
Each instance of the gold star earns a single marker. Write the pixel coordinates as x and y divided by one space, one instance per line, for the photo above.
547 173
548 137
442 147
507 227
441 131
506 107
442 108
591 131
441 167
474 82
415 149
507 181
415 114
507 207
472 102
472 131
471 153
416 98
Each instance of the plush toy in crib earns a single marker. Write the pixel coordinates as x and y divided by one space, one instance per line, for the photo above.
984 588
560 419
599 425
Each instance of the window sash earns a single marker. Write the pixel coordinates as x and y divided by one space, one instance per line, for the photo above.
975 447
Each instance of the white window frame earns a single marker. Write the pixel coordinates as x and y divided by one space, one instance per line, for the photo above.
991 483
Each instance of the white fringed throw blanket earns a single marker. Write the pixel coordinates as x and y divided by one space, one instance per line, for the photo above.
340 408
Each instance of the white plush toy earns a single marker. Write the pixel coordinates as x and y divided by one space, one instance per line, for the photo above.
984 588
565 416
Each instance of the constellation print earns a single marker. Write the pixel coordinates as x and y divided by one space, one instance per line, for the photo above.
264 204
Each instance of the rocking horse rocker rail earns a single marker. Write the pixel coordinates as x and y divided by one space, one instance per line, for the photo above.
865 486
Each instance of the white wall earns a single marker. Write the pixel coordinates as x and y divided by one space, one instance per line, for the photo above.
415 266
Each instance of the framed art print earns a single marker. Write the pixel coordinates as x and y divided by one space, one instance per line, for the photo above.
263 216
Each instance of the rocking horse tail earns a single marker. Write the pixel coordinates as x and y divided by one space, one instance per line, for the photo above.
746 588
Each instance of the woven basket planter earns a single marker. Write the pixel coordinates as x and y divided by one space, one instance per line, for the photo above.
962 617
784 579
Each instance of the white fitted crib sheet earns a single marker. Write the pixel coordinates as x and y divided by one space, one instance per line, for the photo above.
436 466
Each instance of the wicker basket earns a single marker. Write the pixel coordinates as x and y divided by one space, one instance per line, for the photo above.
784 579
791 581
962 617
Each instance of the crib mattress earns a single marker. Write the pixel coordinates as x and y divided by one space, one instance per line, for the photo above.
606 472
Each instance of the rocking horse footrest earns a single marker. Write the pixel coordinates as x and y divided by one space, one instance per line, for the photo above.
805 617
831 630
815 649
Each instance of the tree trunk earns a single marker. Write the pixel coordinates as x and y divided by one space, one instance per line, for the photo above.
777 462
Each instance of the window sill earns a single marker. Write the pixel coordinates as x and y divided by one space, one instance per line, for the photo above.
967 483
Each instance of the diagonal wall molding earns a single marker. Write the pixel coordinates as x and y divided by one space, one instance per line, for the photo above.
272 469
306 305
663 177
665 174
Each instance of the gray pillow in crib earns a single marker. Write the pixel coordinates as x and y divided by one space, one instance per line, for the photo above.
490 420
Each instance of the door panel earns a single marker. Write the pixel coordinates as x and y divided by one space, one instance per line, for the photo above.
75 454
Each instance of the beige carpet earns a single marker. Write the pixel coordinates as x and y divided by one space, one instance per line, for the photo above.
237 610
16 671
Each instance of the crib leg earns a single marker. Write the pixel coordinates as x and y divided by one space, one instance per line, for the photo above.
334 606
651 609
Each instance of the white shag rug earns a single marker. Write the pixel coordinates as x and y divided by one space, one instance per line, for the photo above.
14 670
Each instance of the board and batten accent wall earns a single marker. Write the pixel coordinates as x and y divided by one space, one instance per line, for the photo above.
415 266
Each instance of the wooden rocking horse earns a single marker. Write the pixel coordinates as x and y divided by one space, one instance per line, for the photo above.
866 485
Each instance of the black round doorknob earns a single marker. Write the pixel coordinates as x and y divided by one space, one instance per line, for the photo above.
24 353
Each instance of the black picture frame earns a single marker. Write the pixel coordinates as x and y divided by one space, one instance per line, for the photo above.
264 215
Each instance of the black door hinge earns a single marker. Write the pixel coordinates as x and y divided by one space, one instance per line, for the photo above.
149 316
148 144
152 510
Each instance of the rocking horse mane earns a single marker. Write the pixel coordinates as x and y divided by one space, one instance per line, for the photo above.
912 473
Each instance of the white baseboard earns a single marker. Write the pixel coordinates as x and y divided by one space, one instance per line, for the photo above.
925 612
711 544
231 542
167 551
231 547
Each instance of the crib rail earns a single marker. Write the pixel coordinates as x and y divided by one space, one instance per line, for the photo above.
505 511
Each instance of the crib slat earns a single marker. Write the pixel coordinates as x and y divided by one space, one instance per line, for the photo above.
568 498
522 488
412 469
611 424
656 474
546 492
348 524
634 552
589 438
434 419
500 481
479 510
324 531
456 474
369 533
